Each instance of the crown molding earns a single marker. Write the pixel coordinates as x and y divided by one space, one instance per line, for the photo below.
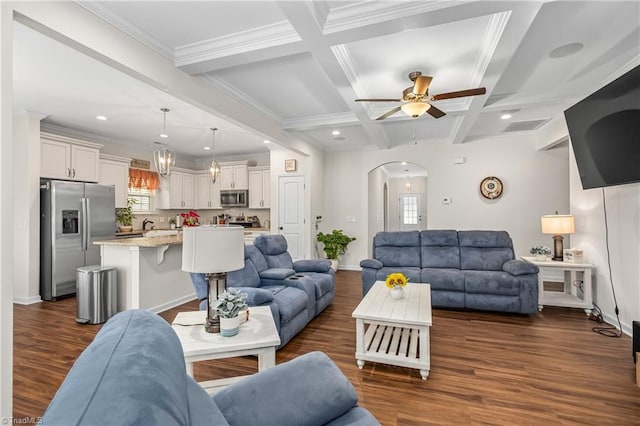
53 131
271 35
127 27
316 121
373 12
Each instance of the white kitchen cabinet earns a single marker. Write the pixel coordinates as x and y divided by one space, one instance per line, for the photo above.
177 191
259 188
115 171
69 159
234 175
208 192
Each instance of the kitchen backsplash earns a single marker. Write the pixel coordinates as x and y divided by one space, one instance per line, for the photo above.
161 221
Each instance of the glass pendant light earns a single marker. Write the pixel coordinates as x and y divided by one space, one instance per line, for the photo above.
214 167
164 159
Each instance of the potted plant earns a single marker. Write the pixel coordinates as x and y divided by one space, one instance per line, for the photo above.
228 306
335 244
540 252
125 216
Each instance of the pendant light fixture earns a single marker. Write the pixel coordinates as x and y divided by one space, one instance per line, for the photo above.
214 167
164 159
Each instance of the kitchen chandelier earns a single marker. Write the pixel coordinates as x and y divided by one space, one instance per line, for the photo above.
214 167
164 159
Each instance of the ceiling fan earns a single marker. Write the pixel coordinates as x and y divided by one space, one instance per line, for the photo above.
416 98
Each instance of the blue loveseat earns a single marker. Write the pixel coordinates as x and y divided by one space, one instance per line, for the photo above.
296 292
133 373
466 269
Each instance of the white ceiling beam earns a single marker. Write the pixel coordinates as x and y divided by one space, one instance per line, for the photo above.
306 24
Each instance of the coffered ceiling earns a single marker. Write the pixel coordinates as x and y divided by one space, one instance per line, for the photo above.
302 64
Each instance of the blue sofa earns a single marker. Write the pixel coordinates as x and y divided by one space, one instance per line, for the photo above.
296 292
466 269
133 373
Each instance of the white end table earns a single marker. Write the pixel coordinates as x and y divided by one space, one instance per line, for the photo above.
570 297
257 336
395 331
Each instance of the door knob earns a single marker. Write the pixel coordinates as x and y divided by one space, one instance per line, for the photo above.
280 228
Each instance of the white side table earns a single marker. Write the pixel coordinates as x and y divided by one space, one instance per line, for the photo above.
258 336
570 298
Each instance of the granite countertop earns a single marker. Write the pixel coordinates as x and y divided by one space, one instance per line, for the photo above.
165 240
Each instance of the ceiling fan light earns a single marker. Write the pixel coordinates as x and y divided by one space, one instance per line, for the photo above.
415 109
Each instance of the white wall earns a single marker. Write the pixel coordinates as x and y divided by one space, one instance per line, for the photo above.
623 221
535 183
6 211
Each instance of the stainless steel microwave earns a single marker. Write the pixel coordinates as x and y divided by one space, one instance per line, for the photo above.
234 198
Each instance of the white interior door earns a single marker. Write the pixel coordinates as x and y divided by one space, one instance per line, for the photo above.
291 223
410 209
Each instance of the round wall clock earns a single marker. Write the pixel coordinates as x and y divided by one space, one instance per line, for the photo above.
491 187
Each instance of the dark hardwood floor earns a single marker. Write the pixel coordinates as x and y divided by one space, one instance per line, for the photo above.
486 368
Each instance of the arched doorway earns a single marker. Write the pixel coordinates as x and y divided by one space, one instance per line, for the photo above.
397 198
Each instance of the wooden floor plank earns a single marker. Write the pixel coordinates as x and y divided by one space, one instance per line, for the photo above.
486 368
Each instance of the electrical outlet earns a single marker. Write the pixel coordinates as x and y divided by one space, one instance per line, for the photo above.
161 219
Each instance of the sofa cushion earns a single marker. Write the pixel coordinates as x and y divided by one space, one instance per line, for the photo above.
254 402
484 259
397 248
256 256
323 283
153 390
245 277
485 239
291 301
412 274
440 257
312 265
277 273
491 282
520 267
202 409
443 279
257 296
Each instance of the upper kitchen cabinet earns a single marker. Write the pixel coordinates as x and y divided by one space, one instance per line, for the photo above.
177 191
208 192
259 188
234 175
69 159
115 171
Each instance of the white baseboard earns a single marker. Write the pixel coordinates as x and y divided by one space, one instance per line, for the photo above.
610 319
349 268
27 300
172 304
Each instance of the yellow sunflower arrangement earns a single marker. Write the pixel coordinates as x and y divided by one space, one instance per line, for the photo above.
396 279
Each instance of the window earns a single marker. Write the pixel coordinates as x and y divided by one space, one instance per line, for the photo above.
410 210
142 200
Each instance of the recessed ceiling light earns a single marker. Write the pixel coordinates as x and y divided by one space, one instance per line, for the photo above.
505 116
164 135
335 132
101 117
266 141
566 50
404 163
207 148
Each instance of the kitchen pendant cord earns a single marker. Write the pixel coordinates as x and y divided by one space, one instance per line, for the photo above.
610 331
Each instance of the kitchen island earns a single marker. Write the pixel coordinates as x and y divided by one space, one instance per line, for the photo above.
150 272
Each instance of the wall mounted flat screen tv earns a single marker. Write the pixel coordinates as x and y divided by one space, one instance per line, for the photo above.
605 133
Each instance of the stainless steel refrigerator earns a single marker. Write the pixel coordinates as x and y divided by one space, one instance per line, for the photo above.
73 215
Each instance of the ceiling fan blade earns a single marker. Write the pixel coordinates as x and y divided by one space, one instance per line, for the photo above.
435 112
378 100
459 94
389 113
421 85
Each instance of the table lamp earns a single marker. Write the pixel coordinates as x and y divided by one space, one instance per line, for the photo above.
213 251
556 225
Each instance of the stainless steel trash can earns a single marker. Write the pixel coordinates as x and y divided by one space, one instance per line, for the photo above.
96 294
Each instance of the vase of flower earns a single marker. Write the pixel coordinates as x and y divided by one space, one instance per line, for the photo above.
540 253
396 283
397 292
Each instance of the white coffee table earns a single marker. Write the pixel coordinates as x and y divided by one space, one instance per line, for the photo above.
257 336
395 331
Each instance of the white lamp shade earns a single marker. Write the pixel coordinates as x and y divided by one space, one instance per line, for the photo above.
556 224
211 248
